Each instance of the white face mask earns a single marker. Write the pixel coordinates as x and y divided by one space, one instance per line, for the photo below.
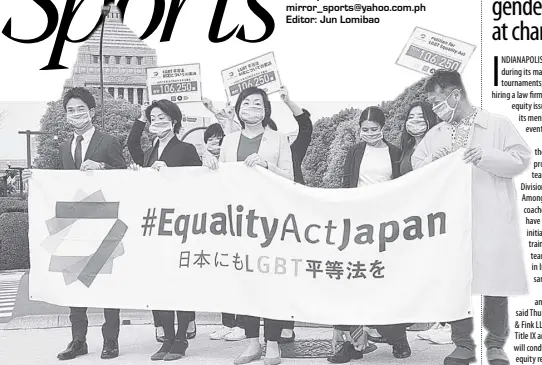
252 115
213 148
372 137
79 120
444 111
161 128
416 127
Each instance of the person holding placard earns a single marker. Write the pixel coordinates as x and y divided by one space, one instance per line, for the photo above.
257 145
497 153
167 151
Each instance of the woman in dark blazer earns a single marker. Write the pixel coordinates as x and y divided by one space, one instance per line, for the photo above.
371 161
167 151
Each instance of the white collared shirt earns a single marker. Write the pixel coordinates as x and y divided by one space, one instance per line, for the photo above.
87 136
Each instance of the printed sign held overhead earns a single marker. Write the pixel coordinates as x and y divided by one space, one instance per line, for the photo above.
258 72
428 51
179 84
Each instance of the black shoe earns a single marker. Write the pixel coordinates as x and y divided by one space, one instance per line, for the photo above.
110 350
160 354
345 354
401 351
178 350
75 348
379 339
192 335
285 340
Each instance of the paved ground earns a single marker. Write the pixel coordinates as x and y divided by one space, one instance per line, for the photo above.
29 347
37 331
9 285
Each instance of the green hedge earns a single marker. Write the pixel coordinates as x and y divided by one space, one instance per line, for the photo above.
13 205
14 251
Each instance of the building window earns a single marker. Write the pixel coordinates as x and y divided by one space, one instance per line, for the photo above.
121 93
128 60
111 91
106 59
140 61
117 60
131 95
140 96
95 59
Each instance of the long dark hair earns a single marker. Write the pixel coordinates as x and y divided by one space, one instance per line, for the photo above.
266 104
407 140
172 110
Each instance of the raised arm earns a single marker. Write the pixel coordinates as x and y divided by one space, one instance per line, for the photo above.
134 139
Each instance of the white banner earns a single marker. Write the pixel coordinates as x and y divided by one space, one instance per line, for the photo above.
261 72
179 84
180 238
428 51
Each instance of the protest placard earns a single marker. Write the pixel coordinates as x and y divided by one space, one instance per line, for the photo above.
261 72
428 51
179 84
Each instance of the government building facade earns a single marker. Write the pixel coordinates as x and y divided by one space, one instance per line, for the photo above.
125 62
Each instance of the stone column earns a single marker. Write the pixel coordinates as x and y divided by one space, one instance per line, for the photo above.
136 101
116 93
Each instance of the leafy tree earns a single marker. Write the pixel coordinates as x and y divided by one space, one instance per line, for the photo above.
315 162
346 136
119 115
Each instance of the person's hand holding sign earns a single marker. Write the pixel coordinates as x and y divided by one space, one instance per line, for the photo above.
255 160
441 153
158 165
473 155
89 165
209 161
143 117
285 96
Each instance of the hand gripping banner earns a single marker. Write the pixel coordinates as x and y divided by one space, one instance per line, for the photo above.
395 252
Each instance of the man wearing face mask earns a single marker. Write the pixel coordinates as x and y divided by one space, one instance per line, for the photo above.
498 154
88 149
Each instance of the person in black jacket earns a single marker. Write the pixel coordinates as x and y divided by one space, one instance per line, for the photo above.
88 149
167 151
371 161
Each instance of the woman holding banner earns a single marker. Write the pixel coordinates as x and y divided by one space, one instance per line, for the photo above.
167 151
257 145
371 161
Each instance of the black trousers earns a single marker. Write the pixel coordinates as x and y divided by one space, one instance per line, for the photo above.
158 322
288 325
110 328
232 320
394 333
167 320
272 328
495 321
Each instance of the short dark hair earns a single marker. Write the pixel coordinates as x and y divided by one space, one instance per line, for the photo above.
214 130
266 104
79 93
271 124
373 114
169 108
445 79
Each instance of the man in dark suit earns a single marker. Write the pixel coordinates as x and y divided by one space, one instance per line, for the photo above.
88 149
